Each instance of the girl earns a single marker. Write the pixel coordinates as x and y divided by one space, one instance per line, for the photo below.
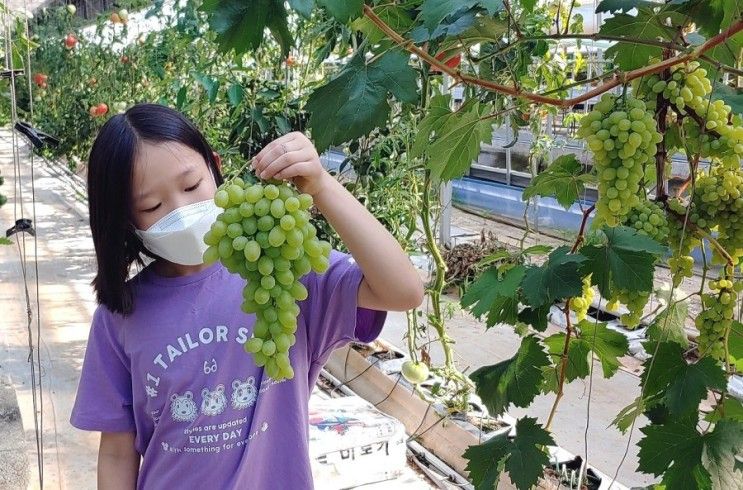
165 378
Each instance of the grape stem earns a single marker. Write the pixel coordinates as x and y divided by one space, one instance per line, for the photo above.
563 366
516 91
660 156
581 231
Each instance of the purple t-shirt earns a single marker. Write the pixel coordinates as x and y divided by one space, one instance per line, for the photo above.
175 372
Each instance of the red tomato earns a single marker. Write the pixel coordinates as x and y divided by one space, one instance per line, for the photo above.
124 59
93 111
70 41
102 109
290 61
40 79
115 18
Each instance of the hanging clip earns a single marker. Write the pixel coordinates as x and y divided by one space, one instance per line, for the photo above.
20 226
38 138
11 73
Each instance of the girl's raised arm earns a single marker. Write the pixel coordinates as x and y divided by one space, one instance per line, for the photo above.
390 282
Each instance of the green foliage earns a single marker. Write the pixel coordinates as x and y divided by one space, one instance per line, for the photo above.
557 278
564 180
495 294
513 381
356 101
524 457
625 260
645 26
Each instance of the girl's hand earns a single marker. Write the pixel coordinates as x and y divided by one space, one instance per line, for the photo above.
292 157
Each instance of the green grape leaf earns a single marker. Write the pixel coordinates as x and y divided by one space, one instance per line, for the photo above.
661 369
538 318
304 7
720 449
735 344
432 12
343 10
457 142
578 351
355 101
434 120
727 52
514 381
555 279
606 344
392 15
277 24
674 450
239 25
691 384
731 96
563 180
625 260
669 379
624 6
669 324
628 414
732 408
528 5
235 94
494 295
524 457
646 25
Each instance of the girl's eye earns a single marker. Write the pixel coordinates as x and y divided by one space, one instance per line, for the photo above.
193 187
153 208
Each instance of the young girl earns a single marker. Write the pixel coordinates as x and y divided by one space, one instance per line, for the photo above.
165 378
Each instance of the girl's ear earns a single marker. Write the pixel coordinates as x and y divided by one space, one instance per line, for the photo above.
217 159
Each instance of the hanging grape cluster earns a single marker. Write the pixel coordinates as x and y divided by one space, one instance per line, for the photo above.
580 304
708 127
622 135
715 321
648 218
265 236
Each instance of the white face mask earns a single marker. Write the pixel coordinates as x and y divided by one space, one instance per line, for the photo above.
179 235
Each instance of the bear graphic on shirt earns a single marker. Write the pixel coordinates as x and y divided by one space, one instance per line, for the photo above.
244 393
183 408
213 402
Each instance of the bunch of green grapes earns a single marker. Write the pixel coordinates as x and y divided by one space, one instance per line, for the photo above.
580 304
681 241
718 202
265 236
716 319
622 135
713 132
635 302
649 218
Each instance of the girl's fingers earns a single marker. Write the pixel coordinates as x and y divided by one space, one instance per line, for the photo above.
299 169
273 151
271 168
274 147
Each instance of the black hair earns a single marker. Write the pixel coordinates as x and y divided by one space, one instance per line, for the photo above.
110 168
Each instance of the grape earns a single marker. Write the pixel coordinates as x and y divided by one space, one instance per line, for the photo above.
580 304
635 302
265 236
649 219
716 318
622 135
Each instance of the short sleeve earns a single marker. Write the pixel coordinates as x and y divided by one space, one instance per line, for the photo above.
104 394
332 315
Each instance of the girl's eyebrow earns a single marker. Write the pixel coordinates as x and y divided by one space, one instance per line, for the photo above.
184 173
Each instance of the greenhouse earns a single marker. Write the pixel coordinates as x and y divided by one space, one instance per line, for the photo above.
335 244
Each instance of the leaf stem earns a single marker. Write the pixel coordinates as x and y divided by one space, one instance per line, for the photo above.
581 232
